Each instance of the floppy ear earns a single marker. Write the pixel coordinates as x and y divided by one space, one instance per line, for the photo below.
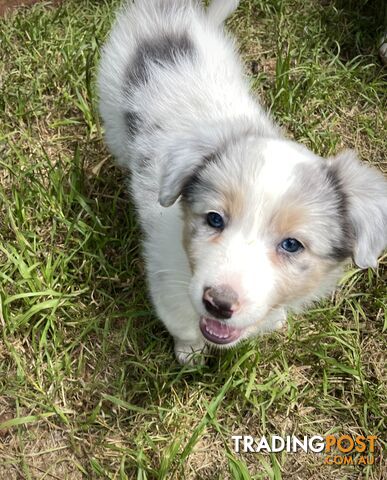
183 154
183 157
365 189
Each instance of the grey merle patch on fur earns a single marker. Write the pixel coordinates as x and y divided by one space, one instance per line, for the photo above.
323 186
344 249
163 51
132 121
197 182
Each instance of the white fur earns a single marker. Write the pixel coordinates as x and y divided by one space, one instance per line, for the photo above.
190 109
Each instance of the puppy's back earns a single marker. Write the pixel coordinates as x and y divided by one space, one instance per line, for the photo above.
161 55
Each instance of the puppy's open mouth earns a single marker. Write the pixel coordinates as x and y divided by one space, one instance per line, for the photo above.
218 332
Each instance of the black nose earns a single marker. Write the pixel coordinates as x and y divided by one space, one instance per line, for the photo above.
220 302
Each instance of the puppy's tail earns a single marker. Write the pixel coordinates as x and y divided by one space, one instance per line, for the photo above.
220 10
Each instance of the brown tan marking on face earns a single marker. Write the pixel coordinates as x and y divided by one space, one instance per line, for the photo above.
296 281
215 239
287 220
233 202
299 274
275 258
283 224
188 232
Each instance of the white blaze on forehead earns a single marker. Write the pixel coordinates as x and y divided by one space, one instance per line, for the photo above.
280 159
244 264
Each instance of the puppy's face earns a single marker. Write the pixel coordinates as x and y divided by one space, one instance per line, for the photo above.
267 227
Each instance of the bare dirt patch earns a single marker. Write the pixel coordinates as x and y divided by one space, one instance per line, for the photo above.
7 5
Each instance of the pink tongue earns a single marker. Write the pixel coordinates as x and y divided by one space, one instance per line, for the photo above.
219 329
218 332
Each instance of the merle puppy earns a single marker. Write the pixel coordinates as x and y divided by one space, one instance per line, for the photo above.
240 224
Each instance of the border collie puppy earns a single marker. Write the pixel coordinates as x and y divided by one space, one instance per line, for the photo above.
240 224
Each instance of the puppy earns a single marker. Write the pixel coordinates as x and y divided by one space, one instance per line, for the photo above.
240 224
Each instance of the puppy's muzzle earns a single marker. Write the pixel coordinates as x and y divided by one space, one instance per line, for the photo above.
221 301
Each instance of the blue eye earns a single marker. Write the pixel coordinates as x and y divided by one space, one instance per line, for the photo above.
291 245
215 220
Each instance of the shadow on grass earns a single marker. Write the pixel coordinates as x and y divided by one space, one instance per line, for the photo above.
355 25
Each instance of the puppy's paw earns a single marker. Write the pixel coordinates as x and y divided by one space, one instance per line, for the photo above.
281 320
190 354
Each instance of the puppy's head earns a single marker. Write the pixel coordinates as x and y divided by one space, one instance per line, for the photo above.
268 226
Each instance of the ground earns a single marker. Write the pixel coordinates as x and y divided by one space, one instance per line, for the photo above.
89 387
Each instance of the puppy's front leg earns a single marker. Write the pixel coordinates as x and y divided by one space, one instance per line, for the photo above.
174 308
280 319
189 353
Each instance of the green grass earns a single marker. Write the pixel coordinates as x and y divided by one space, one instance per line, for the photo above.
88 384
